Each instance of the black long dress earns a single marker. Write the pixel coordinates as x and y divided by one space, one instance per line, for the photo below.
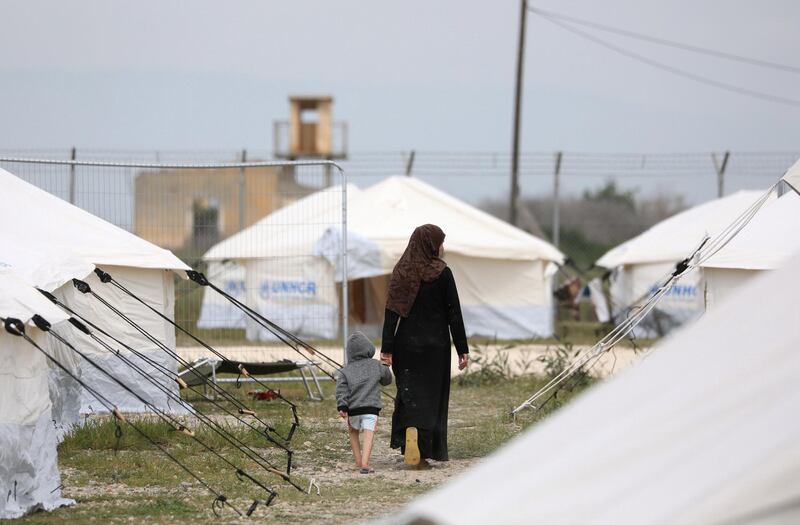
420 351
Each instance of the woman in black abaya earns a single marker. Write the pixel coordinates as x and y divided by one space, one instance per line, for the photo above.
422 311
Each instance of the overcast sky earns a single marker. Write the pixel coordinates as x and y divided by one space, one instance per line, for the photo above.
430 75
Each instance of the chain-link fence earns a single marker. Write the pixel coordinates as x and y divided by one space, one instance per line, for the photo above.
226 221
257 230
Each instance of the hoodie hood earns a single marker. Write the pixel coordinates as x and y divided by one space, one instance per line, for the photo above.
359 347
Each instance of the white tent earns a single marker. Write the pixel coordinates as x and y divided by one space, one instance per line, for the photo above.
278 266
765 243
704 430
504 274
48 242
29 477
638 264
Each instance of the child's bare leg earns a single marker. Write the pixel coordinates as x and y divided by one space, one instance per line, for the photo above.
367 448
353 433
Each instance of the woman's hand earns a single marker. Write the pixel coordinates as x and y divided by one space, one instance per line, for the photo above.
463 360
343 415
386 359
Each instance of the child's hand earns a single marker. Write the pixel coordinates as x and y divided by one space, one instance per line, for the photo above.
343 414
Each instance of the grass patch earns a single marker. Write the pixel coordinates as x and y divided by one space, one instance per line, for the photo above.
137 484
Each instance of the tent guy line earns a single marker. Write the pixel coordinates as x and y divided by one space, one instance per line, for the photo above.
282 334
242 409
245 449
707 249
176 425
17 328
105 277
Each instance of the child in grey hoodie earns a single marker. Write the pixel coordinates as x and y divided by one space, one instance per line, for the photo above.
358 396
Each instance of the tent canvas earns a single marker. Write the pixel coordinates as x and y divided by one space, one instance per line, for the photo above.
48 250
765 243
504 274
639 264
279 267
792 177
689 435
29 476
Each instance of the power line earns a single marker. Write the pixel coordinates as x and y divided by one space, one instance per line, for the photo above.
669 43
675 71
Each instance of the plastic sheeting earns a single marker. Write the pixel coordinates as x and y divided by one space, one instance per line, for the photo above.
704 430
29 477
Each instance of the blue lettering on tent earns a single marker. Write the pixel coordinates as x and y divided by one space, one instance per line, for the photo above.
299 289
234 287
678 291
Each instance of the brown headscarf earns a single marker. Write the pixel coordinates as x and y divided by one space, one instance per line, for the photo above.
420 262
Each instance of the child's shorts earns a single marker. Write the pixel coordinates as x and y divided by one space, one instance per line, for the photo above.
363 421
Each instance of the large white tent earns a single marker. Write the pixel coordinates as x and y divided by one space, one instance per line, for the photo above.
279 266
504 274
29 477
704 430
48 242
640 263
765 243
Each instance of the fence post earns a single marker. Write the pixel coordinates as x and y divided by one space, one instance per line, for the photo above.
720 169
556 210
242 196
72 178
410 163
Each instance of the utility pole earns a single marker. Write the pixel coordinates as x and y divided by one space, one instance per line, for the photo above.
517 103
720 169
556 191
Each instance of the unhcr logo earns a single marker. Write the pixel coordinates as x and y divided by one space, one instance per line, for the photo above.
235 288
301 289
679 291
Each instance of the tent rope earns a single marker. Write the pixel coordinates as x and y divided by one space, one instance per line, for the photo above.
708 247
17 328
105 277
84 288
171 375
45 326
203 418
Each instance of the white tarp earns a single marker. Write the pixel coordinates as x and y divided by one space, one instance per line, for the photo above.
765 243
704 430
48 242
504 274
638 264
29 477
